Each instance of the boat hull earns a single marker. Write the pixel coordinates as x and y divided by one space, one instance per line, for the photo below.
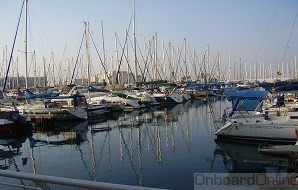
259 131
40 115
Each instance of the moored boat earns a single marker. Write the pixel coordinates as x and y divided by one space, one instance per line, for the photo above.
247 119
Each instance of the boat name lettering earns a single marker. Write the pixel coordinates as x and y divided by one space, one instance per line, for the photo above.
266 127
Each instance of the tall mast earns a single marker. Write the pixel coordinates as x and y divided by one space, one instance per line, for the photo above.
184 61
170 62
17 68
117 60
87 51
218 66
240 70
44 72
135 43
128 75
103 46
34 64
26 53
230 67
155 55
295 70
208 66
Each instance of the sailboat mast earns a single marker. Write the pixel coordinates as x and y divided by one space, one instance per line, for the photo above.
87 51
26 51
155 55
295 70
34 62
103 47
208 66
229 67
44 72
135 43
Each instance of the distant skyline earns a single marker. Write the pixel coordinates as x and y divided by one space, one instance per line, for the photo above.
253 30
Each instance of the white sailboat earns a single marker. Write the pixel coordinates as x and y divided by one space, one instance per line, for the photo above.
97 109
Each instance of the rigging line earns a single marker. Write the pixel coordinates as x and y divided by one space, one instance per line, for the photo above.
146 69
149 60
121 59
179 62
146 63
143 61
170 61
102 148
191 59
127 151
138 64
84 162
102 63
288 42
14 41
266 31
126 58
34 12
74 69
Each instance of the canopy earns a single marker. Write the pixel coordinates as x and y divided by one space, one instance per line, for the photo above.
246 94
246 100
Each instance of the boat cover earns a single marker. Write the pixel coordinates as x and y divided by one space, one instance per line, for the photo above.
31 95
246 94
289 87
246 100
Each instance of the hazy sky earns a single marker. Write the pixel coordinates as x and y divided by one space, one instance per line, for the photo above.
247 29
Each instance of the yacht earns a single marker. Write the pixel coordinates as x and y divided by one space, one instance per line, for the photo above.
249 120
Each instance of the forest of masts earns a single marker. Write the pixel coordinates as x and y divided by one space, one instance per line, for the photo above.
149 61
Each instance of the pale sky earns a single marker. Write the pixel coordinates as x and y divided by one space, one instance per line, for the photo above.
253 30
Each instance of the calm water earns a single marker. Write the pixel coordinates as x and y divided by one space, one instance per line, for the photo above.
160 148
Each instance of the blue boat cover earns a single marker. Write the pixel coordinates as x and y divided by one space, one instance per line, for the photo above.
288 87
246 100
246 94
31 95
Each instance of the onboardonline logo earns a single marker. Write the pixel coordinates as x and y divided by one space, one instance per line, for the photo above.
245 181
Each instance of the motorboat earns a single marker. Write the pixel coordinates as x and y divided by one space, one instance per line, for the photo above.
248 119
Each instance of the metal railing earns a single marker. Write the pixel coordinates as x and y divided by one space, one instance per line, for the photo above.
83 184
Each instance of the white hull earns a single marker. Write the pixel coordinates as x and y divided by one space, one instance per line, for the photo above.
279 128
172 98
128 103
41 112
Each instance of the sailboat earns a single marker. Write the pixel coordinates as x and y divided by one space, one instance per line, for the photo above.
50 106
98 109
11 122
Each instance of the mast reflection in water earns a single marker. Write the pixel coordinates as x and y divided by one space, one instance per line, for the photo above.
160 148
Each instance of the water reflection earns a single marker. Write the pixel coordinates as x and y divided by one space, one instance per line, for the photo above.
59 133
129 147
10 148
241 157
